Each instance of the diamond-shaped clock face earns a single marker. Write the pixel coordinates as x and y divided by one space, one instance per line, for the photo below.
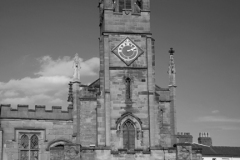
127 51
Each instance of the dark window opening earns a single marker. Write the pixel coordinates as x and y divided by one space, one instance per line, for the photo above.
58 147
128 88
121 5
139 3
128 135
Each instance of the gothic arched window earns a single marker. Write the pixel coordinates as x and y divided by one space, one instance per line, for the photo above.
29 147
128 135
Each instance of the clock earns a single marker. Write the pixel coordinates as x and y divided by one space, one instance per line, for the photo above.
127 51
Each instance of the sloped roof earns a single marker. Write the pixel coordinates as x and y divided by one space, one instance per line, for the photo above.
218 151
95 84
157 88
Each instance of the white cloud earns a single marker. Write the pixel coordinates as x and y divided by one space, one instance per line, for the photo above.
217 119
25 99
10 93
50 87
56 101
35 85
63 67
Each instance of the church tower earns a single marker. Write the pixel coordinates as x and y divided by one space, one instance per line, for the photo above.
128 106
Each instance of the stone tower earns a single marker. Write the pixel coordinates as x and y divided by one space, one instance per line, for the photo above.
131 114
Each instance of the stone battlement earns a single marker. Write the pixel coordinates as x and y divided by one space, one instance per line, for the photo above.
37 112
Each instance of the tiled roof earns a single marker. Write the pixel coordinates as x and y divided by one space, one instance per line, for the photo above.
218 151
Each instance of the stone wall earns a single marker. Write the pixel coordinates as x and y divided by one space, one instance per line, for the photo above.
1 143
164 125
180 152
88 123
48 133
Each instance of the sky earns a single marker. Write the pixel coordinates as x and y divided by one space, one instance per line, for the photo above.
38 40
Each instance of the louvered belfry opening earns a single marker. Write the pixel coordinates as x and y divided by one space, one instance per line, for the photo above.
128 135
125 4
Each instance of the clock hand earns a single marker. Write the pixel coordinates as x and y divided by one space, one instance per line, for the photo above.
131 49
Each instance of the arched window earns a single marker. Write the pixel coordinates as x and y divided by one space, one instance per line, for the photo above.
128 88
128 135
29 147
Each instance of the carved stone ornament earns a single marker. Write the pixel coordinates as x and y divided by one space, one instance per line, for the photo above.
72 152
184 153
172 69
76 67
128 11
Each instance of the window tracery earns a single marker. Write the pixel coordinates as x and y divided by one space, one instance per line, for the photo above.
128 135
130 132
28 146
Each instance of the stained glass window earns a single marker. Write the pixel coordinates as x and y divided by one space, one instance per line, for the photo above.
128 135
28 147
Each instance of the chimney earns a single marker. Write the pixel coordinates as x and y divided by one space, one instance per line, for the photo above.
205 139
183 137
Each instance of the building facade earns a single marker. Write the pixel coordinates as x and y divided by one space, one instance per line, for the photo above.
123 115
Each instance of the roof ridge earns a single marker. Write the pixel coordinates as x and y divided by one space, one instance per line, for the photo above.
201 144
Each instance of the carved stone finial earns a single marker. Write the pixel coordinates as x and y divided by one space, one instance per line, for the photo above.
172 69
70 93
171 51
76 67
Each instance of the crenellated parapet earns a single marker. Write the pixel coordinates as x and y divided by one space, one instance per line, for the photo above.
35 113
